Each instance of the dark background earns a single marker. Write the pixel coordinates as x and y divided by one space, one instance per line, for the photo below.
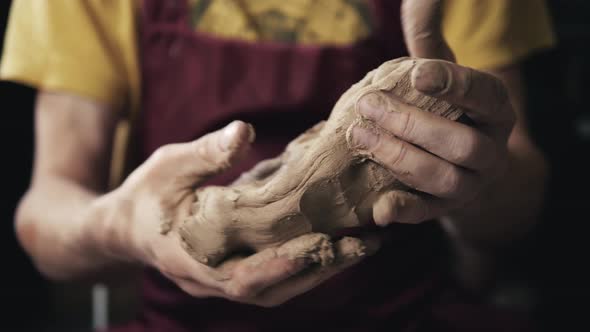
546 273
24 292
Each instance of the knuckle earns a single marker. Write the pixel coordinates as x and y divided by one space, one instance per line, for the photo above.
202 151
202 147
163 153
415 213
398 157
450 182
208 152
372 143
502 101
240 291
465 149
406 122
372 103
290 268
463 86
377 144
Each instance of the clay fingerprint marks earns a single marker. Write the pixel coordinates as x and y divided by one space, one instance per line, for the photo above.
398 82
350 248
208 235
390 74
323 184
394 78
223 224
271 226
386 78
334 212
313 247
316 248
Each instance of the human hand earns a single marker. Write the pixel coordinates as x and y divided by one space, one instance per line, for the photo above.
158 196
448 162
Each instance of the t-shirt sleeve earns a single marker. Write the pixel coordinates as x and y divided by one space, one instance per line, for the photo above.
488 34
85 47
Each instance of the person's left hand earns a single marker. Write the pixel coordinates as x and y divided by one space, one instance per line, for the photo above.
448 162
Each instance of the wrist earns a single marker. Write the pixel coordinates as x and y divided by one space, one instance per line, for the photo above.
104 234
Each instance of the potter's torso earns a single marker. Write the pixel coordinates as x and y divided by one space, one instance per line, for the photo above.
280 67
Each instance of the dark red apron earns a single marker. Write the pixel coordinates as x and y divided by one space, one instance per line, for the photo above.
195 83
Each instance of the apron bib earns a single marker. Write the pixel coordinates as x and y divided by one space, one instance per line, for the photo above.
194 83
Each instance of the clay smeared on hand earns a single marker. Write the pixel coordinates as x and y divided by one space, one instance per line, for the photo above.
322 184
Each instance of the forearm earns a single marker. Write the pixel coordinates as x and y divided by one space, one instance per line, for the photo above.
64 229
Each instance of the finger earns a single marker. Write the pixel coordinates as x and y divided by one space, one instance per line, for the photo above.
422 26
179 264
416 167
250 279
192 287
455 142
349 251
351 248
408 208
196 161
483 96
273 265
242 277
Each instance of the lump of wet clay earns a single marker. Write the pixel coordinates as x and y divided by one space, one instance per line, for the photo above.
322 182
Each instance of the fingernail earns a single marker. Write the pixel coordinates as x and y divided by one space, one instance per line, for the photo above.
251 133
229 136
430 77
363 138
371 106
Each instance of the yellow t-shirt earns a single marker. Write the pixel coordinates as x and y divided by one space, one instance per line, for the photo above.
89 47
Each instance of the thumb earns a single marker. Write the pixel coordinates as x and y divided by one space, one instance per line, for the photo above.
194 162
422 26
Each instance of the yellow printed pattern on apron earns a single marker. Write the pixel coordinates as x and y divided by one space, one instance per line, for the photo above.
324 22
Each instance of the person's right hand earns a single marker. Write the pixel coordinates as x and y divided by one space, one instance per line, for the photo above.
149 206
